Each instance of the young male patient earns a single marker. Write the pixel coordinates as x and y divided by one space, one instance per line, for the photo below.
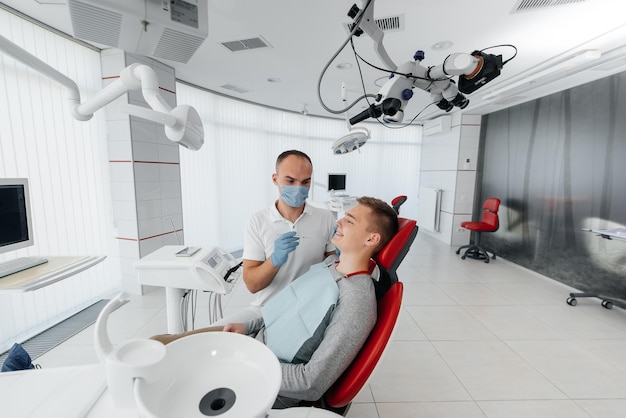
337 295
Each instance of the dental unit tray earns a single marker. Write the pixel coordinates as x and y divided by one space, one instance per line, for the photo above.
205 269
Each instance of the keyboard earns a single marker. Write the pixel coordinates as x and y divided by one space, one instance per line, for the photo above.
19 264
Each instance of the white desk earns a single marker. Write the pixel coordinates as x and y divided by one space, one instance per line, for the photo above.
80 391
56 269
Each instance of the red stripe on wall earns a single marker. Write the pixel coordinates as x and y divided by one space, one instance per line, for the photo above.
160 235
153 236
155 162
169 91
143 162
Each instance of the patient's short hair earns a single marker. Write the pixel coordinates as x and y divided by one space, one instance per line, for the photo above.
384 221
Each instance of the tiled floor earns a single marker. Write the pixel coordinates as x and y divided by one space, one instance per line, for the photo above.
473 340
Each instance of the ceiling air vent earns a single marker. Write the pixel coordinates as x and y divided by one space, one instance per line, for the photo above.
246 44
528 5
175 29
176 45
234 88
387 24
96 24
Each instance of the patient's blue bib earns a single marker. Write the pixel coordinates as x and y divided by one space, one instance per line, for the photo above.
296 312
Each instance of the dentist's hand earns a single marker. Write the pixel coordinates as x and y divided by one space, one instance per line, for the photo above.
283 245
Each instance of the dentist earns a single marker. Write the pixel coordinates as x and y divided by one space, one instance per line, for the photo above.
283 241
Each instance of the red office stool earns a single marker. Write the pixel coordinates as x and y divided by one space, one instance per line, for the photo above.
488 223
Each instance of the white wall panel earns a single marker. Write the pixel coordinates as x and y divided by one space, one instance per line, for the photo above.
464 194
445 165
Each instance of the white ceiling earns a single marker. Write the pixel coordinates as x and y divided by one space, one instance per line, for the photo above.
304 35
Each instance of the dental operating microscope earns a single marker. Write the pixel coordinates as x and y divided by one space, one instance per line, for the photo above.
473 70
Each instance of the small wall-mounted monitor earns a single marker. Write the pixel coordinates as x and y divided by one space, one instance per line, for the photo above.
336 182
15 220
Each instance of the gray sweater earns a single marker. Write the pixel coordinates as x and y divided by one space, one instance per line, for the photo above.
350 325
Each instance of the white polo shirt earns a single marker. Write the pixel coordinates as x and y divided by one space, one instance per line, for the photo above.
315 229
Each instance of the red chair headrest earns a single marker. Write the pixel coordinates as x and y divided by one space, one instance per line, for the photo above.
390 256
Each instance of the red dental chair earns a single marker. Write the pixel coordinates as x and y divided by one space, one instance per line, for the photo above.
389 294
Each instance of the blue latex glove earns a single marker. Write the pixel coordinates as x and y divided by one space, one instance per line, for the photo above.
283 245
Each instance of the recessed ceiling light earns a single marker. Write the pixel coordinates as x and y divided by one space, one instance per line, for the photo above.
274 80
442 45
344 66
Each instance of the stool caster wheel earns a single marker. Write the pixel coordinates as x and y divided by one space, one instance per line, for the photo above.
572 301
463 257
458 251
607 304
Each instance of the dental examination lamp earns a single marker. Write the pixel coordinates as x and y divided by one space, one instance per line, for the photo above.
356 137
474 71
182 124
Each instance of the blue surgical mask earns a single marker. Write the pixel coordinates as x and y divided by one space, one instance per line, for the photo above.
294 196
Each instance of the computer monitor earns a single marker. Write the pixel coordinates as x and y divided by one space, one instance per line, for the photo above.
16 229
336 182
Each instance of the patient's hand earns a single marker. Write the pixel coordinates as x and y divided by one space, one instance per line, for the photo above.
238 328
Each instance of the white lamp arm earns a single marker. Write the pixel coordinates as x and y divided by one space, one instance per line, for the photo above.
38 65
133 77
183 124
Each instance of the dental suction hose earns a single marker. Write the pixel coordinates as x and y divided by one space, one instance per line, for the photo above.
131 360
101 336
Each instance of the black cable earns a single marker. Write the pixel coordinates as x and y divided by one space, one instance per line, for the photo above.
357 21
231 271
501 45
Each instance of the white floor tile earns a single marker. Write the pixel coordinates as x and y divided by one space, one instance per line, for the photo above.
425 294
363 410
412 371
614 408
579 373
490 370
406 328
526 409
429 410
467 294
448 323
498 320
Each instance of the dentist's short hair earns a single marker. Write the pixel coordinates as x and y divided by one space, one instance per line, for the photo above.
286 154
